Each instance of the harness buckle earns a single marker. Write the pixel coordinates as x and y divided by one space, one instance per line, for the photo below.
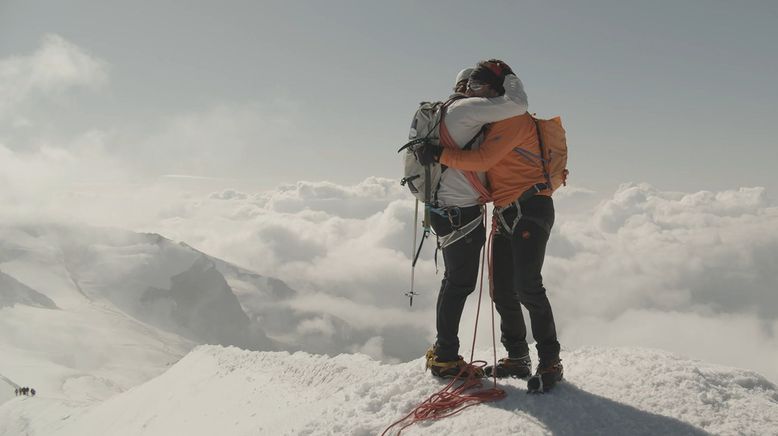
504 225
454 215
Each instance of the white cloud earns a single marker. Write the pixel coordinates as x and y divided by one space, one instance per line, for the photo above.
691 273
37 182
223 142
650 249
58 65
697 264
682 262
358 201
318 326
733 339
229 194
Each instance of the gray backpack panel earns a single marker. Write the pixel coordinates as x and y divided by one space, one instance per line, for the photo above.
423 180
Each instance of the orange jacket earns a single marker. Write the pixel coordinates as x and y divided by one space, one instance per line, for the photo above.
510 172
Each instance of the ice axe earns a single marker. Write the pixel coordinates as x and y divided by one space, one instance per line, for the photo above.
410 294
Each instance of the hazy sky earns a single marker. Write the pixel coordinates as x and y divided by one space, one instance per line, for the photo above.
681 95
184 118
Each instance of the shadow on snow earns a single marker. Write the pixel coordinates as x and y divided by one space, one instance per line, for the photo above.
569 410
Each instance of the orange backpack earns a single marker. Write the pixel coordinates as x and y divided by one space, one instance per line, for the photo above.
553 148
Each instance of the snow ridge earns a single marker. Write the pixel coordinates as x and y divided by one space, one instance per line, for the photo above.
607 391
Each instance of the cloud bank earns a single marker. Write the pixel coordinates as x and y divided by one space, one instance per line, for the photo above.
687 272
55 67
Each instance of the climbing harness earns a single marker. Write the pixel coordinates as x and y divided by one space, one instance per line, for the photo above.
508 228
459 231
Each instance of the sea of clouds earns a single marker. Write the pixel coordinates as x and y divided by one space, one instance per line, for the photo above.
686 272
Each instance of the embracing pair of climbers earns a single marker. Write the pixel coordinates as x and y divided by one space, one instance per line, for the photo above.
485 127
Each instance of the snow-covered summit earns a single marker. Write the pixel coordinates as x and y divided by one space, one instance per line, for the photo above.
216 390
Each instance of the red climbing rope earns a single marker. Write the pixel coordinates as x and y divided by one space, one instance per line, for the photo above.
456 397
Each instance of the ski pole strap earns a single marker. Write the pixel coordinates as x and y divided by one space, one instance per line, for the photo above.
437 248
421 244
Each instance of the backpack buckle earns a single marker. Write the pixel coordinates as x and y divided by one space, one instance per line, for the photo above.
409 181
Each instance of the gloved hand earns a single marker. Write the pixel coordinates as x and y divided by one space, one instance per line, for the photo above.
428 153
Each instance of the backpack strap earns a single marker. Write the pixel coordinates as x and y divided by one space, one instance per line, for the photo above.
443 107
542 159
470 143
427 187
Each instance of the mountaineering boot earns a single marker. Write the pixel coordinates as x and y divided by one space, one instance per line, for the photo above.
546 376
451 368
519 367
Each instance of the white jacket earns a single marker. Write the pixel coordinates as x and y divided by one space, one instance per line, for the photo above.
464 118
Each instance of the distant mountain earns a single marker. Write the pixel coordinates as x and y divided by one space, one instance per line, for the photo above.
168 285
244 281
13 292
201 304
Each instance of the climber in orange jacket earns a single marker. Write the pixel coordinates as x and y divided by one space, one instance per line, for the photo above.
524 215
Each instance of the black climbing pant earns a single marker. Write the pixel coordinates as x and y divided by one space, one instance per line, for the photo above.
461 260
517 261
